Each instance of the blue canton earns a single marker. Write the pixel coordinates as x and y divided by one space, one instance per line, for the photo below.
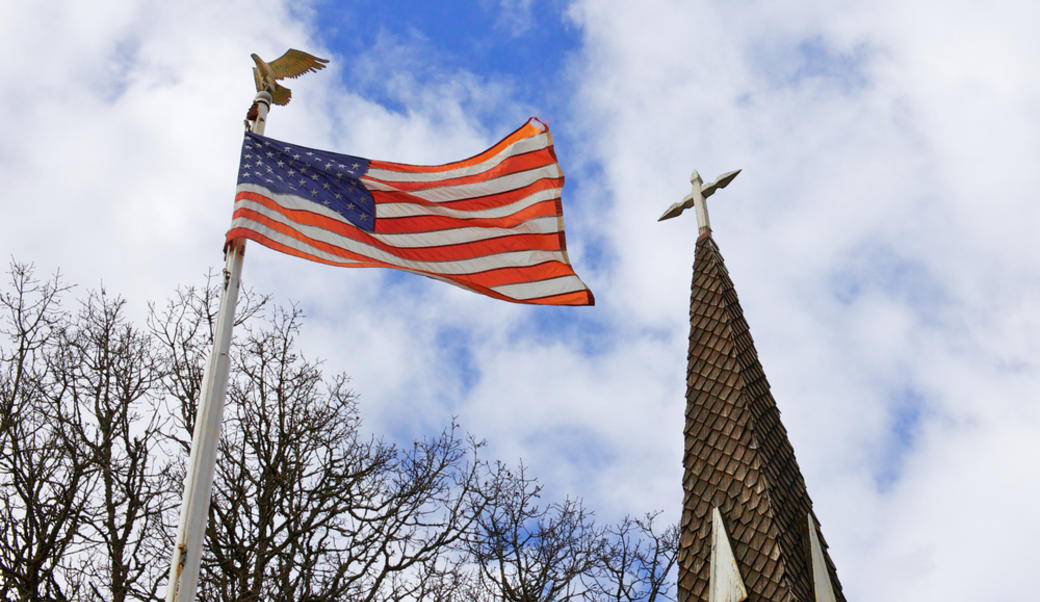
328 179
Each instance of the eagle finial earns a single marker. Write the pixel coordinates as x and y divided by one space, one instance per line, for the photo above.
293 63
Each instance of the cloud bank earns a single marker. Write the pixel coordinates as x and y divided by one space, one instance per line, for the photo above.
881 236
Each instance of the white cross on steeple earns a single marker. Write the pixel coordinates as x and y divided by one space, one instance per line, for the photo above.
696 199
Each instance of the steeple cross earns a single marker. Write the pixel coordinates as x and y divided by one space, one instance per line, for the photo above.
696 199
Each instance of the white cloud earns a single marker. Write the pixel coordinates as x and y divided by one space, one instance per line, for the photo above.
880 238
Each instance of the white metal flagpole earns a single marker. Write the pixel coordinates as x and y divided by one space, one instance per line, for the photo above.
198 481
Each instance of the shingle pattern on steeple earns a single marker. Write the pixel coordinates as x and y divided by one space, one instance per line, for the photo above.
737 454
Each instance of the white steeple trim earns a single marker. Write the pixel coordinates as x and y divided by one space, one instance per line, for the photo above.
725 584
821 576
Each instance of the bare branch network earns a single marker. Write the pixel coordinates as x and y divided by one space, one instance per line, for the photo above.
95 424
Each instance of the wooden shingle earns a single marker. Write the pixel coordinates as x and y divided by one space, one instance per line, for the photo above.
737 454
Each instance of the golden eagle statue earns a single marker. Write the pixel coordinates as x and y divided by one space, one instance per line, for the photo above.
293 63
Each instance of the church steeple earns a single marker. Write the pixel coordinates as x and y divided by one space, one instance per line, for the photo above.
738 460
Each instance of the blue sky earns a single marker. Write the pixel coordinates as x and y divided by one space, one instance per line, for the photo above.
881 235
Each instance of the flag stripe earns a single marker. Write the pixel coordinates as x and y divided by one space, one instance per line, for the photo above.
582 297
426 223
443 261
526 131
532 219
520 147
530 291
312 225
307 213
400 204
526 162
542 288
492 223
455 192
489 280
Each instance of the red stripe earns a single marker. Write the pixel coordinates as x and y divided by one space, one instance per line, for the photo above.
520 275
449 252
528 130
430 223
476 203
323 246
575 298
505 242
515 164
277 246
487 278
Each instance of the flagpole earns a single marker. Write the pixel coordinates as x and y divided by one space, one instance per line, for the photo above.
198 480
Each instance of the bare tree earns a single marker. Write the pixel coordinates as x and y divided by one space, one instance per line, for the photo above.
305 507
109 370
82 504
638 562
526 551
47 476
95 425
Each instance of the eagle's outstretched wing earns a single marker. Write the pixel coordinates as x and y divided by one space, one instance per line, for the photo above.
295 63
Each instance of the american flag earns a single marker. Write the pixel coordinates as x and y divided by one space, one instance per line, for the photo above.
492 223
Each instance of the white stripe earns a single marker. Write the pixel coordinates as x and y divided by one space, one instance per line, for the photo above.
541 288
457 192
409 209
389 210
289 201
538 225
519 147
520 291
511 259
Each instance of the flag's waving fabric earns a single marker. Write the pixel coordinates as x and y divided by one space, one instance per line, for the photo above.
492 223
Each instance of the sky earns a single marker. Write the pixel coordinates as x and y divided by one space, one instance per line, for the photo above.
882 235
